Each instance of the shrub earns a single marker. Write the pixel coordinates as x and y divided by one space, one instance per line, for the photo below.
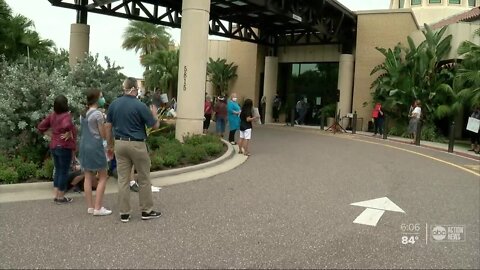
157 161
8 175
194 154
156 142
46 172
26 170
212 149
170 160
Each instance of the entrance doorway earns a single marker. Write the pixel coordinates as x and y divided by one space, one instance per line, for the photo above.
317 82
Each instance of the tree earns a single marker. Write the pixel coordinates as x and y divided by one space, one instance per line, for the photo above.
220 74
467 79
163 72
145 37
414 73
19 38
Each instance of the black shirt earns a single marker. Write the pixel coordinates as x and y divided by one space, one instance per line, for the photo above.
244 124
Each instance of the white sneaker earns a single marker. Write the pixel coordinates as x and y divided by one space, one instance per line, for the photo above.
156 189
90 210
102 212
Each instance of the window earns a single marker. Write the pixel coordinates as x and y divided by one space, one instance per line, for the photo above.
435 1
471 3
401 3
416 2
454 2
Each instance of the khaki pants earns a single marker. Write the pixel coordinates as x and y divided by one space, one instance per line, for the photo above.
128 154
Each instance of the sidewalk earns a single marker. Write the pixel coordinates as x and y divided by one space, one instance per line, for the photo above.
458 149
43 190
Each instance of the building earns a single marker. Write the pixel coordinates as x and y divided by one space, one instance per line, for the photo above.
404 18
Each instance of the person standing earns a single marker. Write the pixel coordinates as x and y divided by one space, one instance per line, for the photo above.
263 108
207 113
233 112
220 110
277 103
414 119
246 118
92 152
126 118
475 137
378 119
62 145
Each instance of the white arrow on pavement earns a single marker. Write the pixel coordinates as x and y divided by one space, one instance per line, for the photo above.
375 210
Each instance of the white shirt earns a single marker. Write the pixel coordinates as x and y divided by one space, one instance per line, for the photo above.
417 112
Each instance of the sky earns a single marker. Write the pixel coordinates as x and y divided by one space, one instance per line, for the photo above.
106 31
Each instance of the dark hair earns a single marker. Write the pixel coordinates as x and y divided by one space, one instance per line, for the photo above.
247 105
60 104
93 95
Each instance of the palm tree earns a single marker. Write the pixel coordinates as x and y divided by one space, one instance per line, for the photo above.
414 73
220 74
145 37
163 72
19 38
467 79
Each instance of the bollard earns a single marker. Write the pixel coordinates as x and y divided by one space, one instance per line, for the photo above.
385 124
354 122
322 124
451 137
419 132
292 117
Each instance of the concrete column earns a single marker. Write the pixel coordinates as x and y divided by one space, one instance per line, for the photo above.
192 68
270 84
345 83
79 42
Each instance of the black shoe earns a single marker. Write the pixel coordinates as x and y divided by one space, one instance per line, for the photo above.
134 187
125 218
151 215
64 200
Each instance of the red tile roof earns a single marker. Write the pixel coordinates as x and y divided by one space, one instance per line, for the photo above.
469 16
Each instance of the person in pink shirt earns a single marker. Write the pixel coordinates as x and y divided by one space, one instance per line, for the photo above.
62 145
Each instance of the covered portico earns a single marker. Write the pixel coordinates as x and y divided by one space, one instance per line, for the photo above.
272 24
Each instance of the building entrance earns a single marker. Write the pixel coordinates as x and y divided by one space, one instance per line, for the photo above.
313 83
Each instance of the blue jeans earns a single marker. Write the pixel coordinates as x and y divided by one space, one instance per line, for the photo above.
62 158
220 125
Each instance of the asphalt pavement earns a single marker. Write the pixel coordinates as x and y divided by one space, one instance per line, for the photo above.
288 206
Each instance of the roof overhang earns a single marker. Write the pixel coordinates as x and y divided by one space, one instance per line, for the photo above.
267 22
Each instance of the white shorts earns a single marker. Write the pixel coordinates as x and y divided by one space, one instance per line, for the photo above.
246 134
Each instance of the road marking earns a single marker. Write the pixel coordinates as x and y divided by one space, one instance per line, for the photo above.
473 167
375 210
420 154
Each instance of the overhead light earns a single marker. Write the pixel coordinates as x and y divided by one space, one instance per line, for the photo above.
277 23
222 5
239 3
296 17
252 15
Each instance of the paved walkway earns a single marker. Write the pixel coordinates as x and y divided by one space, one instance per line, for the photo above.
292 204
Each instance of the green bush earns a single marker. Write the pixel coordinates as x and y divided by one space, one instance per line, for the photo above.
194 154
212 149
200 139
157 161
8 175
26 170
170 160
430 133
156 142
46 172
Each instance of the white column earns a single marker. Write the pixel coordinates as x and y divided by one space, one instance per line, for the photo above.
79 42
345 83
192 67
270 85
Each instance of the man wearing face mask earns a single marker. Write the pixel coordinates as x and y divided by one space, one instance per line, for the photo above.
233 113
126 118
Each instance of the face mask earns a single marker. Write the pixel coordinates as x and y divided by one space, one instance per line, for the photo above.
101 102
140 94
234 99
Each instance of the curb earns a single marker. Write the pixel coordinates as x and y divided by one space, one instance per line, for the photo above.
34 191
